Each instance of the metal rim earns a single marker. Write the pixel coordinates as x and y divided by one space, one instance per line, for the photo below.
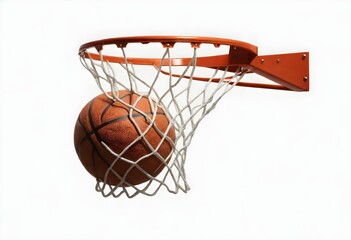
169 41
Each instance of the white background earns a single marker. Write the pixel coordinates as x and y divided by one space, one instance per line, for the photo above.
264 165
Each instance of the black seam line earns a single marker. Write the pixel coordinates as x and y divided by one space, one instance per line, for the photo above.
90 117
105 111
92 144
110 105
96 133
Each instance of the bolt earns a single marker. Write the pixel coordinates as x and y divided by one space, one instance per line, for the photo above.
305 78
278 60
262 61
304 56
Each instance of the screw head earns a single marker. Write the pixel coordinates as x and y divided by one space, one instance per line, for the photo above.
304 56
305 78
262 60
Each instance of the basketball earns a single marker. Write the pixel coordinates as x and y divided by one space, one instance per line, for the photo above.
113 123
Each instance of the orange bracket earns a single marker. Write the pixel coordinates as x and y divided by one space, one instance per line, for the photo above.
290 71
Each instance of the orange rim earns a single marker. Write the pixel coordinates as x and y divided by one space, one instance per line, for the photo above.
242 49
169 41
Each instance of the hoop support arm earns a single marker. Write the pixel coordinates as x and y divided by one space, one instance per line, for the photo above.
288 70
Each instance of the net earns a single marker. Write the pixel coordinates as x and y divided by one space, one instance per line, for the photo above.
178 92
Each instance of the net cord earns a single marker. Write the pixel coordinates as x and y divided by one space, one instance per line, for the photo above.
184 119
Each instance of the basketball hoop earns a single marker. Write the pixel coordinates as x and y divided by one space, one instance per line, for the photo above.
174 87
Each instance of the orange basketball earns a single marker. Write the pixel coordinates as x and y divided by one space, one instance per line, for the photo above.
108 121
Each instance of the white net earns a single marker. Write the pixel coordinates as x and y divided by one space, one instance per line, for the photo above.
171 90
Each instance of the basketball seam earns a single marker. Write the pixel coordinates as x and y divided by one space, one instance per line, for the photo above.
105 111
93 148
108 106
97 136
